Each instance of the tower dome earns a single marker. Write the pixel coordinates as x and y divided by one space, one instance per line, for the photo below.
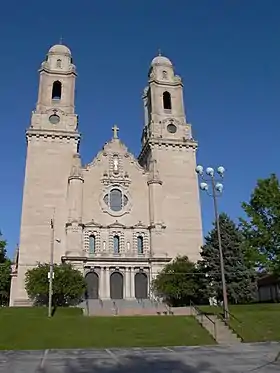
161 60
60 49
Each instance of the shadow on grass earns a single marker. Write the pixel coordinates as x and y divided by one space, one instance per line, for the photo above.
130 364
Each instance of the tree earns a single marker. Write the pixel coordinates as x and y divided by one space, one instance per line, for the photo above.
5 282
261 228
68 285
240 279
5 273
179 283
3 252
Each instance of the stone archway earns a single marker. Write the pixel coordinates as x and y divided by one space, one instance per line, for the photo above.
92 280
141 285
116 285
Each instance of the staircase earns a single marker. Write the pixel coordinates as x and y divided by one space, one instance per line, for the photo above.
216 327
122 307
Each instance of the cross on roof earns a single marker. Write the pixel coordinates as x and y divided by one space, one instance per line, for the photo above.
60 39
115 130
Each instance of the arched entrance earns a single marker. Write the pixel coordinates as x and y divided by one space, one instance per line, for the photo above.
92 281
141 285
116 285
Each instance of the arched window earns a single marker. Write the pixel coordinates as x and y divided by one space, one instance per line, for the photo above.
116 200
56 90
116 244
164 74
140 246
166 100
58 63
91 244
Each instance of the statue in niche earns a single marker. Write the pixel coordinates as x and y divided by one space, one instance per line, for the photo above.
116 164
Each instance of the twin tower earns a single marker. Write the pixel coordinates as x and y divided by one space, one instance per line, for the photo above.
118 214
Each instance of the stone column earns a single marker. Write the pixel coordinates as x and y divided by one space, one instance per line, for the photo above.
107 283
127 284
132 283
102 283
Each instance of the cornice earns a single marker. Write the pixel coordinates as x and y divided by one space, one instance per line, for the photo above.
167 143
32 132
52 72
85 259
166 83
116 224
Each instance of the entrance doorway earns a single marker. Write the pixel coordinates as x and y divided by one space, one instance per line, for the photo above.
116 285
141 285
92 280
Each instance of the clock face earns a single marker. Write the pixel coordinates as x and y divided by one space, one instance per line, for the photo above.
171 128
54 119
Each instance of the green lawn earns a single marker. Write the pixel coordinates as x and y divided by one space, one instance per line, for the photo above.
255 322
29 328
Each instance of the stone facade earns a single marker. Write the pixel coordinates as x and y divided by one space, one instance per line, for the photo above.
118 219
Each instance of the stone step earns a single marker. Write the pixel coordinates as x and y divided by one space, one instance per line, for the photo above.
218 329
105 307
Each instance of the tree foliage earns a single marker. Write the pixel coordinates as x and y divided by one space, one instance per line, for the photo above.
261 228
240 279
68 284
3 252
5 282
180 282
5 273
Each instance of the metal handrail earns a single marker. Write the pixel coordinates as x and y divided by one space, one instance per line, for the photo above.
228 324
201 313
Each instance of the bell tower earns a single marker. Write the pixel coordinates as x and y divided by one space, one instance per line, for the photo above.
55 109
52 141
164 104
168 145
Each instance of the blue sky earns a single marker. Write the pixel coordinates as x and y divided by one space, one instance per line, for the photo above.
227 52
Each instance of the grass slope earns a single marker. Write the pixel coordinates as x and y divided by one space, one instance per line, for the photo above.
29 328
254 322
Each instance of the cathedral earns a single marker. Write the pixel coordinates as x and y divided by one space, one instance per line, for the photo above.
119 219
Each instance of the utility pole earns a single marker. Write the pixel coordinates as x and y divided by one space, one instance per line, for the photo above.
51 273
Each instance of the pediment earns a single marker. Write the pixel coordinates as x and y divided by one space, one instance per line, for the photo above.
111 148
140 225
92 224
116 224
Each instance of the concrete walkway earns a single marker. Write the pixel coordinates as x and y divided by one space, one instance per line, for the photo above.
238 358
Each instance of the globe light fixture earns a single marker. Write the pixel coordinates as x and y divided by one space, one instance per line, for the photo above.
210 171
219 187
204 186
221 171
199 170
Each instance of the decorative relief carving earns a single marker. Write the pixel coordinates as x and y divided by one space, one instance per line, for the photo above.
104 239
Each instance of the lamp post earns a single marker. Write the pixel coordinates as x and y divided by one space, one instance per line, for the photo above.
51 272
216 191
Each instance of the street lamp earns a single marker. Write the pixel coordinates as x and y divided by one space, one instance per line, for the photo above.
216 191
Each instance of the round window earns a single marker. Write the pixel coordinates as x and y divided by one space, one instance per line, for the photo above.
54 119
115 200
171 128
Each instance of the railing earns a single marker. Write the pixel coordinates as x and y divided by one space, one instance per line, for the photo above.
221 314
200 315
115 308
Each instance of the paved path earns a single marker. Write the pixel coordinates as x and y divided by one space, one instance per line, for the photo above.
217 359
